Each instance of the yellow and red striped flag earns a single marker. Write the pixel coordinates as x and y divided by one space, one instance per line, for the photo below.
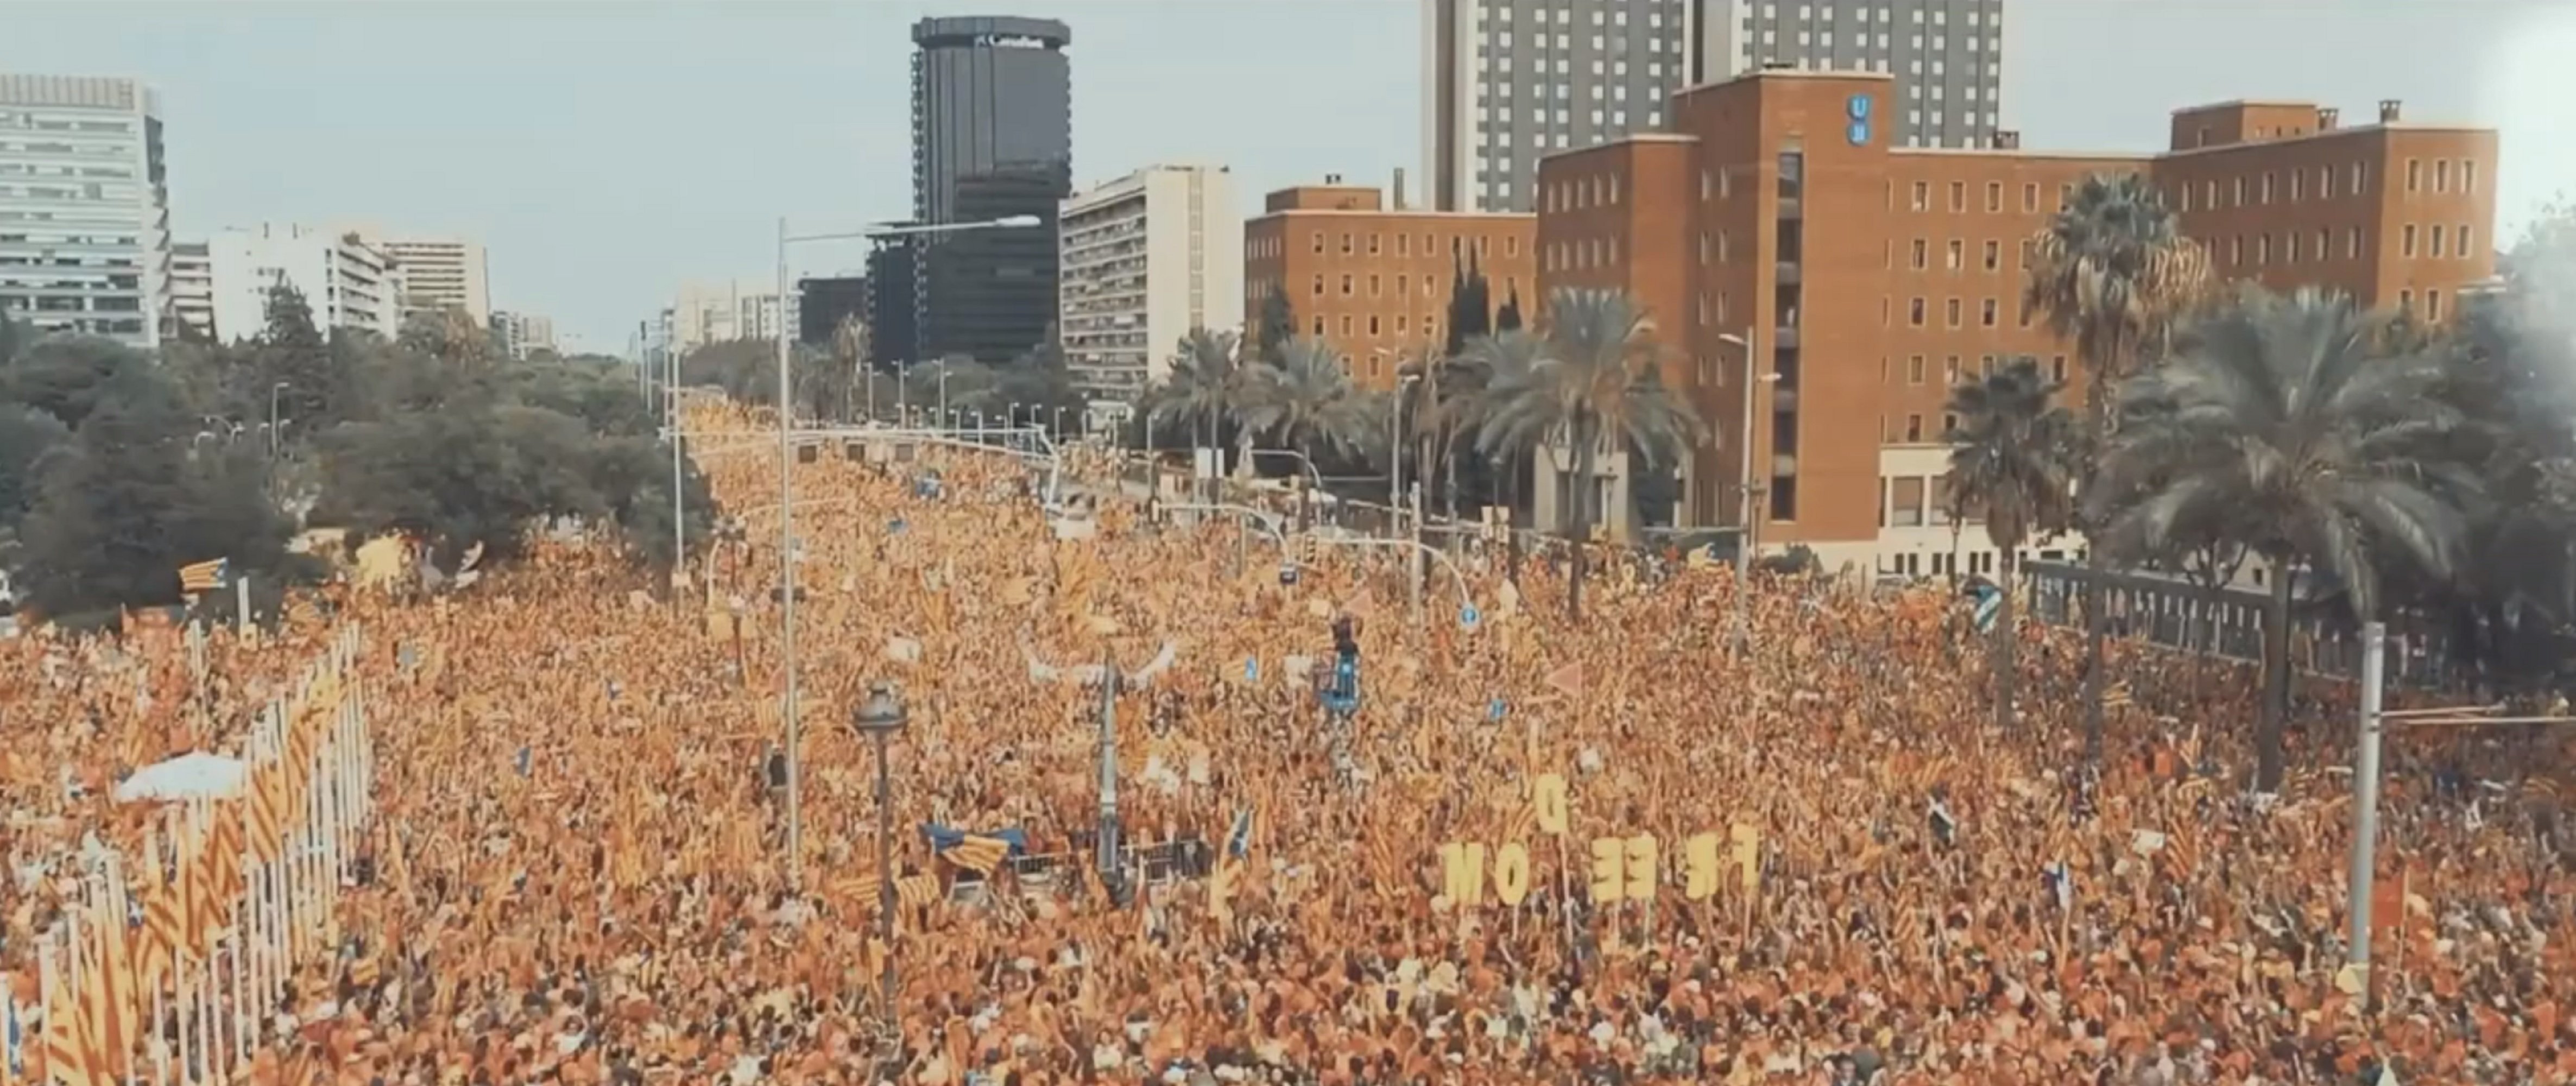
981 855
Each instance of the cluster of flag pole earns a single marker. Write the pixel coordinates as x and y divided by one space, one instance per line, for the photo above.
163 965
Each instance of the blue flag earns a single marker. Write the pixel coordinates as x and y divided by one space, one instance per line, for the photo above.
1238 841
525 760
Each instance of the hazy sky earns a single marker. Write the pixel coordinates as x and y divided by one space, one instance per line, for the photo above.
606 150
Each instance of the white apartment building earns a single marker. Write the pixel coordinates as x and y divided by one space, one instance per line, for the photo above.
1507 82
522 334
192 290
84 207
438 273
348 283
1142 260
707 313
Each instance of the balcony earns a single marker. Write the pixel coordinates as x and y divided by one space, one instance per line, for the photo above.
1785 272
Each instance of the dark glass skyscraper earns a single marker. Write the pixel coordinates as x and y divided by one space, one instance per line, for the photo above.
992 137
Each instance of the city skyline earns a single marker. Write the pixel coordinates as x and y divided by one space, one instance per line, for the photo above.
595 208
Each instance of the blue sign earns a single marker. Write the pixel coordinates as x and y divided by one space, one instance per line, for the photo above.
1252 669
1859 133
1495 709
1858 107
1468 616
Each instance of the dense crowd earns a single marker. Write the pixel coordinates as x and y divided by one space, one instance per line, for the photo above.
579 872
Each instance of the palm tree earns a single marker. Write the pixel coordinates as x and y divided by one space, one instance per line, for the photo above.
1499 361
1307 402
1208 381
1593 382
2012 460
2112 271
2281 422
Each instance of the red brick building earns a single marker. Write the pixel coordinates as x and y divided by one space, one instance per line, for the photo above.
1374 281
1869 277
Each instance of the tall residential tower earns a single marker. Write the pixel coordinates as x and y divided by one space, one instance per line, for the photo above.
84 207
1507 82
1147 257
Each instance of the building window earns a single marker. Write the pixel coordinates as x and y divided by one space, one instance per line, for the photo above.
1373 243
1319 286
1373 285
1922 196
2267 186
2460 241
2359 182
2469 175
1319 241
1346 325
1994 196
1346 286
2298 184
2236 192
1914 313
2406 301
2029 252
1922 254
2290 244
2262 249
1988 316
1346 244
1958 196
1914 370
1913 429
2325 182
1373 325
1512 246
1951 258
1994 256
2414 175
2057 368
1404 245
2432 305
2236 250
1319 329
2029 198
2436 249
1950 309
1400 321
2406 241
2352 243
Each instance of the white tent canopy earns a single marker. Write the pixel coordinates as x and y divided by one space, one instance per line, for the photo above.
190 776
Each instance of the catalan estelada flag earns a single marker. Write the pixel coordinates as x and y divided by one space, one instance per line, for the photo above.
206 576
981 855
916 891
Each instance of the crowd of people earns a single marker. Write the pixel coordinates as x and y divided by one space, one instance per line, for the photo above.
580 867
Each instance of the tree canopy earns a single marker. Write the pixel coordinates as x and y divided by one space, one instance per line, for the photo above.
118 466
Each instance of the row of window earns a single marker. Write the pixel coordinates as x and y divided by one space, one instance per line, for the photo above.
1920 197
1916 367
1377 286
1502 13
1953 256
1376 243
1588 253
1378 323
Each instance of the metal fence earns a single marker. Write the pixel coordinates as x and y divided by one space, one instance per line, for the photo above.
2229 623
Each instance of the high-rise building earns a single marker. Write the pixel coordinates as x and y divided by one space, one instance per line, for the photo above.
1145 258
84 207
1376 281
823 302
992 132
522 334
438 273
707 313
1507 82
1781 220
192 291
894 303
347 282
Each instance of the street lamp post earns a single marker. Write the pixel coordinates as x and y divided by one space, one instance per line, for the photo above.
787 517
1745 533
880 719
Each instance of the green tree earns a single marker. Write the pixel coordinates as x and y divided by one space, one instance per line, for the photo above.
136 495
1208 382
69 377
2012 462
1508 319
1307 402
293 354
1594 381
1277 326
27 437
2112 273
1471 305
2284 423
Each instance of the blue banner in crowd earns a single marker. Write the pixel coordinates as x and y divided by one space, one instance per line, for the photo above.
943 838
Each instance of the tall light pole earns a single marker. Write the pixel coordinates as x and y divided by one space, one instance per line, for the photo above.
787 517
1745 537
880 719
679 519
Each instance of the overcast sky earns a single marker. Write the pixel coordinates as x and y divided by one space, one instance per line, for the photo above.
606 150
